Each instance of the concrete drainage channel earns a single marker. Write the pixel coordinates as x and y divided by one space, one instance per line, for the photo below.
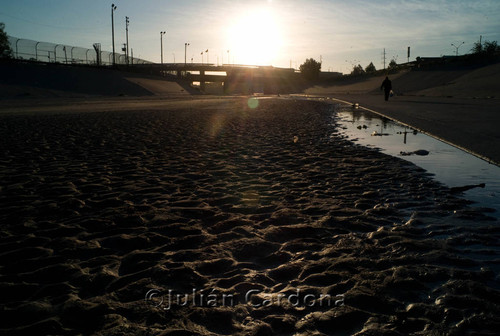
463 172
477 179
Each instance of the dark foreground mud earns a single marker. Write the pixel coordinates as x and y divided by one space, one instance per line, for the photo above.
222 219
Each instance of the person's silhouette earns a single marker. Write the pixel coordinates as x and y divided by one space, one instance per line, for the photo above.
387 87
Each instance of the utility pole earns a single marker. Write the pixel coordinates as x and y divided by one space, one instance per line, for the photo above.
185 51
126 29
113 8
161 45
383 57
124 49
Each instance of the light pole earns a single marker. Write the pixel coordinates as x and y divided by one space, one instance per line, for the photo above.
173 54
161 44
201 58
113 8
55 55
36 50
185 50
456 48
228 57
207 56
126 29
17 52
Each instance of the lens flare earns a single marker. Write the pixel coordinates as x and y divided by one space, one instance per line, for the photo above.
253 103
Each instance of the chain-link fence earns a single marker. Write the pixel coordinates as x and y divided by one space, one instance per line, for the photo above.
60 53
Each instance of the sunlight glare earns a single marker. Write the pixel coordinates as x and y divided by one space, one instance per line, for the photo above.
255 38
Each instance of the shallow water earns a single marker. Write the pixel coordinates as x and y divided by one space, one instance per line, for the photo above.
449 165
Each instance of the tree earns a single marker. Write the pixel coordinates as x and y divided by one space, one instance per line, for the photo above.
477 48
370 68
310 69
487 48
5 49
491 47
357 70
392 65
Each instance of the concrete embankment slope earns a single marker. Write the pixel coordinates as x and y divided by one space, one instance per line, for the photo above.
473 83
471 124
49 80
460 107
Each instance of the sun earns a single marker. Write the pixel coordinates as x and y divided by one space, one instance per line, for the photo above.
255 38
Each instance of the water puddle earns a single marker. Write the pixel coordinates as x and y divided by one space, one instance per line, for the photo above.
448 164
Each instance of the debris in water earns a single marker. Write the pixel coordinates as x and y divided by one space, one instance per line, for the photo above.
421 152
457 190
375 133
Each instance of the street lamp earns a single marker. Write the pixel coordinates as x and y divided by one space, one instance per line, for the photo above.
185 50
126 29
228 62
55 55
36 50
17 52
161 44
456 48
113 8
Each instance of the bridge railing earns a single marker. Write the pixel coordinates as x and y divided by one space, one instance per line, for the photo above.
39 51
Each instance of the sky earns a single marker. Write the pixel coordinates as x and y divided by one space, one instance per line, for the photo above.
281 33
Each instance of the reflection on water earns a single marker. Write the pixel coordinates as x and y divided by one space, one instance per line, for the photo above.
449 165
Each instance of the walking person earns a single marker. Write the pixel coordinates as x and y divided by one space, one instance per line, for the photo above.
387 87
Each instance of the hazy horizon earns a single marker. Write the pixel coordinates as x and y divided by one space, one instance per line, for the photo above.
264 32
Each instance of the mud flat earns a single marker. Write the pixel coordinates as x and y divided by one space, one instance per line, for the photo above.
211 217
